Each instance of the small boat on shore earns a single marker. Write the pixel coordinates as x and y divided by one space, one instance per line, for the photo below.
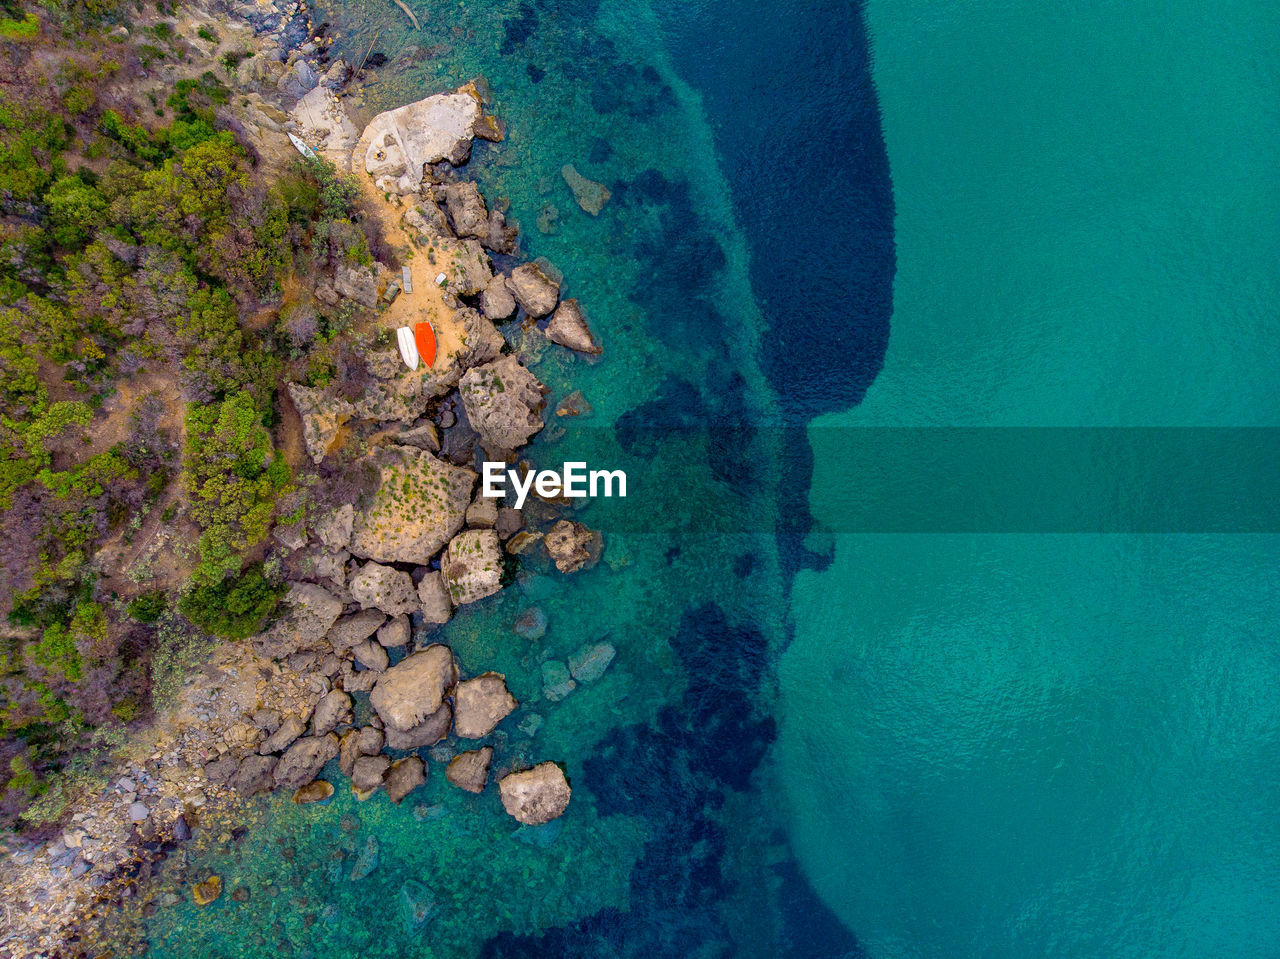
424 338
301 147
408 348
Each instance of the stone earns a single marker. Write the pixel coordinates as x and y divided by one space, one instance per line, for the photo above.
371 655
420 505
290 728
354 629
309 611
404 776
509 522
138 812
483 513
417 904
181 828
369 741
208 891
427 733
367 861
471 566
589 662
368 772
319 791
425 435
334 529
303 761
414 688
496 301
500 237
482 343
334 709
254 774
530 725
298 80
470 770
268 720
575 404
503 401
481 703
466 209
591 195
323 417
535 796
535 291
573 546
348 751
523 541
436 605
399 143
383 587
568 327
358 283
427 219
396 632
531 624
557 683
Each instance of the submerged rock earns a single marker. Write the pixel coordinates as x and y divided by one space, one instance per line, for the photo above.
531 624
418 903
590 194
589 662
319 791
535 795
471 566
368 860
481 703
470 770
208 891
414 688
568 327
556 681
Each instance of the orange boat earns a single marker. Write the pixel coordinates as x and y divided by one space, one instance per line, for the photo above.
424 338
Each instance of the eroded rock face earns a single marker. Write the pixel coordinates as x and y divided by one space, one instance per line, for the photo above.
466 208
436 605
355 629
471 566
465 265
568 327
384 588
414 688
572 546
536 795
481 703
309 611
400 142
420 504
404 776
334 530
427 733
504 404
290 729
590 194
303 761
254 774
535 291
470 770
322 417
496 301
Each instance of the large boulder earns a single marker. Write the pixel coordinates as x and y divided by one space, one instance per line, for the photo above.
590 194
427 733
254 774
355 629
368 772
384 588
568 327
466 208
535 291
464 264
414 688
371 655
420 504
303 761
470 770
572 546
290 729
397 632
322 417
496 301
309 611
471 566
334 709
404 776
481 703
400 142
481 341
434 596
504 404
536 795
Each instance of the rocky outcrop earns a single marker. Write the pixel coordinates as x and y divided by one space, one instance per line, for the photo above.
503 401
309 611
303 761
322 417
427 219
500 237
535 291
404 776
536 795
496 301
420 504
358 283
591 195
324 126
481 341
400 142
588 663
384 588
464 264
573 546
470 770
334 529
427 733
436 605
481 703
471 566
568 327
414 688
468 214
355 629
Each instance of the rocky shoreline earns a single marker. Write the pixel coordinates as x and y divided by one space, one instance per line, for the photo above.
371 578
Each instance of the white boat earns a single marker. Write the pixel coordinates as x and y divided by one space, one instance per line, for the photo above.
302 148
408 348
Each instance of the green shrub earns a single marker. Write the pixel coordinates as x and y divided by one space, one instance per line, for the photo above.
234 608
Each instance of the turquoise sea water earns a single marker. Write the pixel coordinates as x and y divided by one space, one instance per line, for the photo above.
845 745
